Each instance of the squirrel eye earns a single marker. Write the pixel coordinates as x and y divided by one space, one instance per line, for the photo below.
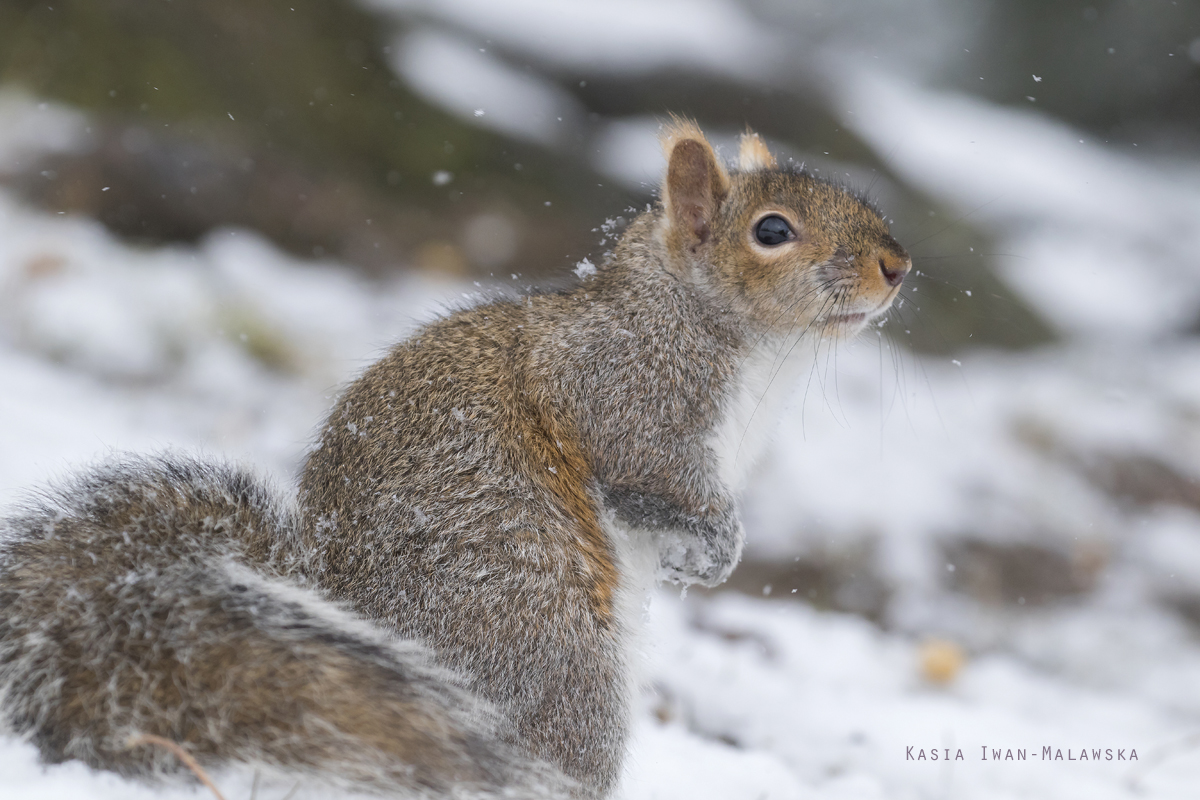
773 230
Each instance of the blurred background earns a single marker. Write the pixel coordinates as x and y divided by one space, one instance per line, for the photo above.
213 213
466 138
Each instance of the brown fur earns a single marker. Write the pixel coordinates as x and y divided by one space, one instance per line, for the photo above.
482 495
502 489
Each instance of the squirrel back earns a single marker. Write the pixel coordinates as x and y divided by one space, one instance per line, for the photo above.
494 496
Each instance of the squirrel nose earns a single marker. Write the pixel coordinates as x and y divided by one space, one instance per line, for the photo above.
894 272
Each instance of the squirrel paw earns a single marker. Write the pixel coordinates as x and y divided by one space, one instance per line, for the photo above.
693 548
704 551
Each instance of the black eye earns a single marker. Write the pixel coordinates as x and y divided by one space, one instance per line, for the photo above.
773 230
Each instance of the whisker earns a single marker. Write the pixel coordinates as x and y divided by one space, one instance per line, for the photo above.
920 363
954 222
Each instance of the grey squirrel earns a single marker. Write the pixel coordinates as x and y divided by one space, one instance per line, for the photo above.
448 607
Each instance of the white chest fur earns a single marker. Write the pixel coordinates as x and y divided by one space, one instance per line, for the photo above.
636 556
766 379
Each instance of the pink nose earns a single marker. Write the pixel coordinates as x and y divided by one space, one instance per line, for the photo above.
893 273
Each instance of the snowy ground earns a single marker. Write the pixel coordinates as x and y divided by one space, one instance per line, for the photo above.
916 478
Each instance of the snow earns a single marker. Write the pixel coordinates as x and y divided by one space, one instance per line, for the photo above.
617 35
584 269
477 87
839 703
233 348
29 128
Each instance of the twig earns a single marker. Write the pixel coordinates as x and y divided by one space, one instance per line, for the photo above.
181 754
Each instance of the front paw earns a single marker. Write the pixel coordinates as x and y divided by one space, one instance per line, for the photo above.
704 550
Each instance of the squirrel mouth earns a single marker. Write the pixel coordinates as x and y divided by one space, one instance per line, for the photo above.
856 318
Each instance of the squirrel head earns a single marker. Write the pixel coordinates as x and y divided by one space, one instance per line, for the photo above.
787 250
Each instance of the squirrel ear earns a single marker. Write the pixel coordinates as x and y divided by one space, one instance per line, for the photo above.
696 184
753 154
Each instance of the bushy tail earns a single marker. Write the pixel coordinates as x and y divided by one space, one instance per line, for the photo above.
159 597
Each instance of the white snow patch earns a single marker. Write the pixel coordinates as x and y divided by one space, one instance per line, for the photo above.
618 35
585 269
466 80
30 128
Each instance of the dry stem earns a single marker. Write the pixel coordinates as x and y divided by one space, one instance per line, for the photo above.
181 754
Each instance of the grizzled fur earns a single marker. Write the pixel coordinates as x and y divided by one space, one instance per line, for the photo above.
479 458
499 488
459 492
151 597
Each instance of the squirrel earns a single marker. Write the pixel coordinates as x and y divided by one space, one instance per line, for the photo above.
450 606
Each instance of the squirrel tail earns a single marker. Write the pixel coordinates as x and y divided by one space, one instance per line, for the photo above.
161 597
